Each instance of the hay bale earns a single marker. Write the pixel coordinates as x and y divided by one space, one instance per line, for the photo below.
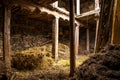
37 57
25 62
31 59
101 66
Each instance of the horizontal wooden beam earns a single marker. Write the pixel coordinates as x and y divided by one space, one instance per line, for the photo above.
32 7
88 13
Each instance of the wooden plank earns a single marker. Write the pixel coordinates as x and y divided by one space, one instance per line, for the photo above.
6 40
76 40
105 24
72 38
115 39
78 7
39 2
88 13
96 35
113 25
97 4
87 40
55 4
55 38
33 6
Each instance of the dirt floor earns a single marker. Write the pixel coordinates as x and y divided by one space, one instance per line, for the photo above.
56 70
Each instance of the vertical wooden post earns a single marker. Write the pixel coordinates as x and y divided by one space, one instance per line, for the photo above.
88 40
6 40
96 35
97 4
97 25
76 40
55 4
114 19
72 38
55 37
78 7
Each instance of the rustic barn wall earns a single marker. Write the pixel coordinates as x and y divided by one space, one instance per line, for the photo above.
116 25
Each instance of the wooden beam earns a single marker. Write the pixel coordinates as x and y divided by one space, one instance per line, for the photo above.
96 35
55 4
115 39
6 40
55 37
72 38
97 4
87 39
33 6
88 13
76 40
78 7
105 24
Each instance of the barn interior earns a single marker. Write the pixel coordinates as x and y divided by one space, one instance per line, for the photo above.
59 40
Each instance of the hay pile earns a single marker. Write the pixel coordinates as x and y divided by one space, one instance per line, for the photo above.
37 57
31 59
101 66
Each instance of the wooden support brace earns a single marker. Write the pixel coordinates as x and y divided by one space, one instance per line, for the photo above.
55 37
97 4
78 7
88 13
96 35
88 40
76 40
115 23
55 4
6 40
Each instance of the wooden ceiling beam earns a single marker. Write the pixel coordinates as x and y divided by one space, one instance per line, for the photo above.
32 6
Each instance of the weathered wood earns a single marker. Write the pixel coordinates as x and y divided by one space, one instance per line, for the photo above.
78 7
105 24
87 40
115 39
55 4
96 34
97 4
72 38
88 13
44 43
76 40
39 2
113 25
6 40
55 37
59 13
